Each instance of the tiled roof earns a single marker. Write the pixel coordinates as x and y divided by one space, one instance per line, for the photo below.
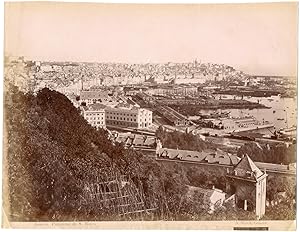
170 153
97 106
218 157
149 141
193 155
138 140
128 141
234 159
206 156
206 193
123 105
121 139
247 169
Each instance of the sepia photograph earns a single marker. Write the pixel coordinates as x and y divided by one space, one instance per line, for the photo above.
150 116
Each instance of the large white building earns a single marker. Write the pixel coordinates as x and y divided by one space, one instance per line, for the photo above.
95 115
128 116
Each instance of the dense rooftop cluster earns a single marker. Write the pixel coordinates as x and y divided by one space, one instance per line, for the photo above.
36 74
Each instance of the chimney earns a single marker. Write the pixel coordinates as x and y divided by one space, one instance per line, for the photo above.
213 187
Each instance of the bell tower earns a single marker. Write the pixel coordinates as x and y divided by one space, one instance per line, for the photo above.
250 186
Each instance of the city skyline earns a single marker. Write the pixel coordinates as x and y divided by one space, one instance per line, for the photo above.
162 33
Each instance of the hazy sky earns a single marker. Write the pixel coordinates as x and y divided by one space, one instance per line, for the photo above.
257 38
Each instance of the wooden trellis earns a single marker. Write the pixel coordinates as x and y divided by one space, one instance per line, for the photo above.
118 195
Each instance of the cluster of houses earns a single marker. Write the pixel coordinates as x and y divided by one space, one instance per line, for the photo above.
136 141
67 76
206 156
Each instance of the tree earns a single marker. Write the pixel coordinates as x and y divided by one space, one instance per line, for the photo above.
279 154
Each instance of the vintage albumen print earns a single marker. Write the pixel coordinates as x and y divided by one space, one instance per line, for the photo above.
129 114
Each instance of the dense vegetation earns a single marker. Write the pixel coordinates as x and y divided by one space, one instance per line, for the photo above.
277 154
183 141
51 152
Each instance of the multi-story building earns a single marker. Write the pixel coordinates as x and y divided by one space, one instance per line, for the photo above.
128 116
95 115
